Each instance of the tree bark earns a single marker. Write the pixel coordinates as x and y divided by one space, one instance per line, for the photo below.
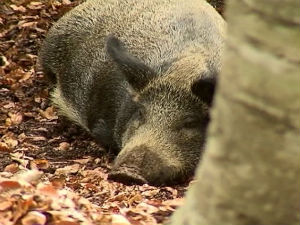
250 171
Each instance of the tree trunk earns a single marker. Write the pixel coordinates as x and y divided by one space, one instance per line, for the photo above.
250 171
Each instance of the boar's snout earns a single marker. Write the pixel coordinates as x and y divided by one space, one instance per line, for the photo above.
141 165
127 175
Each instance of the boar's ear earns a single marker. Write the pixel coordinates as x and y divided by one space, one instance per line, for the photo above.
204 88
137 73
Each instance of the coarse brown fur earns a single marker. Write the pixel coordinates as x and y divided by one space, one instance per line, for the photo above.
123 70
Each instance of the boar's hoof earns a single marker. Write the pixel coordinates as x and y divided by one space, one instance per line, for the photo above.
127 176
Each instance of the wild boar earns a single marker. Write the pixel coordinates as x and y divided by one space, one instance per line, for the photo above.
139 75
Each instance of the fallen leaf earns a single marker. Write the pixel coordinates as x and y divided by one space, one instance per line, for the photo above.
83 161
64 146
37 138
65 222
11 142
68 170
174 202
19 157
35 5
15 118
8 122
136 198
149 209
49 113
18 8
12 168
29 176
3 61
25 77
150 193
29 114
34 218
66 2
47 189
40 164
58 182
9 105
4 147
5 205
9 184
119 220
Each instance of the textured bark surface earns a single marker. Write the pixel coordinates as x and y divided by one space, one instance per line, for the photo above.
250 171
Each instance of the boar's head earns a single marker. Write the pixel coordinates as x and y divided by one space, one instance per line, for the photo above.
162 127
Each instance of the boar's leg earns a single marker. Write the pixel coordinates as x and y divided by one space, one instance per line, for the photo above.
103 135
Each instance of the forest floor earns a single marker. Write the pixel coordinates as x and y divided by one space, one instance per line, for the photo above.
51 171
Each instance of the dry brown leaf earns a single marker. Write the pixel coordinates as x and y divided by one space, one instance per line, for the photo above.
120 197
9 184
35 5
5 205
154 202
150 193
4 61
49 113
23 24
149 209
17 155
136 198
38 99
34 218
22 137
29 114
64 146
15 118
25 77
66 222
18 8
172 190
8 122
9 105
55 4
29 17
83 161
173 202
66 2
71 169
117 219
12 168
47 189
29 176
22 207
37 138
39 164
11 142
4 147
58 182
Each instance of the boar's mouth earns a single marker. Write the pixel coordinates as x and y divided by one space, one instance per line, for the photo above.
127 175
140 165
131 176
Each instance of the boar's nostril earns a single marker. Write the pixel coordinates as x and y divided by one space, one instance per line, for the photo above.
126 175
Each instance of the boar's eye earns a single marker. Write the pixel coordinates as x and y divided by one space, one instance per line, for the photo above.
191 123
139 115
